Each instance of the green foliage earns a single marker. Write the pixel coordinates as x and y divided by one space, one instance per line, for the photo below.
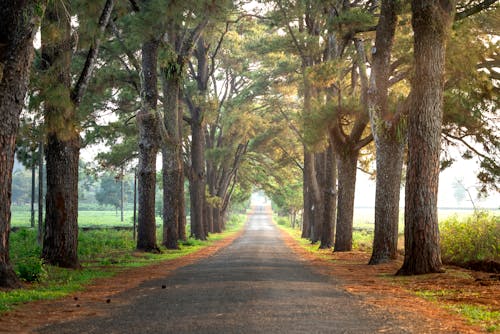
478 314
472 238
31 269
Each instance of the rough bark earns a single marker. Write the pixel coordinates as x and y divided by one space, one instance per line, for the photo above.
40 191
388 142
317 176
388 184
330 199
63 143
18 25
197 178
173 174
347 164
60 240
431 21
306 220
147 122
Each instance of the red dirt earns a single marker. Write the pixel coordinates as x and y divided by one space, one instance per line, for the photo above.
379 287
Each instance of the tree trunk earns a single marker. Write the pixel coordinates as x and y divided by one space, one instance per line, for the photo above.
182 209
63 143
173 175
134 219
147 122
388 143
122 196
60 241
319 204
217 220
18 25
40 192
197 178
347 164
388 184
306 216
63 138
431 21
330 199
33 190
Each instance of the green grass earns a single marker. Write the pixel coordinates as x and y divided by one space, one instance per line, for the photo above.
102 253
474 314
479 315
21 218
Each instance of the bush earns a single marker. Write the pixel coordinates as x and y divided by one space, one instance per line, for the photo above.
31 269
473 238
283 221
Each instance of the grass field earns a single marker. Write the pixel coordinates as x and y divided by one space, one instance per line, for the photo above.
21 218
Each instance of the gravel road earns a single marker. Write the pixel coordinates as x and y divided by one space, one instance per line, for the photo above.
255 285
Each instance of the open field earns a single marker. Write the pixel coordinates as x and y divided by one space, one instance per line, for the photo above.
21 218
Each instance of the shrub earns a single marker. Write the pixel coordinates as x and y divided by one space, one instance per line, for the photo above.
473 238
31 269
283 221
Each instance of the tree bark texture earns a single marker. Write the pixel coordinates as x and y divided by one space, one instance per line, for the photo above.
317 177
60 241
148 124
18 25
347 167
197 178
431 21
388 184
173 174
330 199
40 191
388 143
306 220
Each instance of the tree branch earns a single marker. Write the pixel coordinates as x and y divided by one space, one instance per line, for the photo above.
474 9
88 68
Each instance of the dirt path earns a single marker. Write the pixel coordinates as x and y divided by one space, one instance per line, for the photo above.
255 285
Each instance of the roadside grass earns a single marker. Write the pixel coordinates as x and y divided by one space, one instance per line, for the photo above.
103 253
480 315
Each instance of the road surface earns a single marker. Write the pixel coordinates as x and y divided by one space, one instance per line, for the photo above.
255 285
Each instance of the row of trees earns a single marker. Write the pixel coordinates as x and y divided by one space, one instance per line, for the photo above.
290 100
365 93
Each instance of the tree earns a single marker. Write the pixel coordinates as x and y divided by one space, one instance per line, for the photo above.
388 137
19 22
148 126
172 70
61 102
431 21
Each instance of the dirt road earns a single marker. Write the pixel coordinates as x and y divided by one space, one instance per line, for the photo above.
255 285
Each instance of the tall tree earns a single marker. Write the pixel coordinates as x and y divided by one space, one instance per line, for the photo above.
149 137
61 102
431 21
173 67
389 140
19 22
